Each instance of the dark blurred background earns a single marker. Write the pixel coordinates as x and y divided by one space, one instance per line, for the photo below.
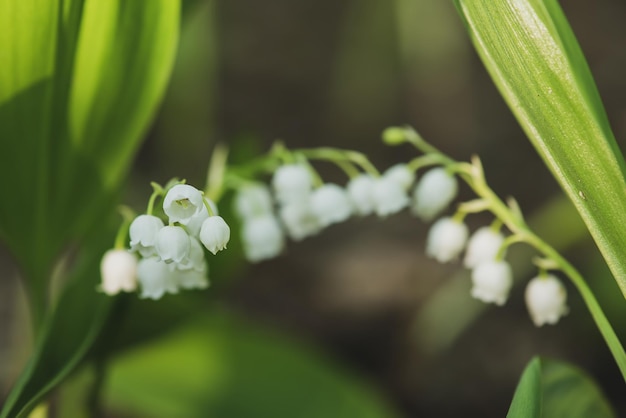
362 295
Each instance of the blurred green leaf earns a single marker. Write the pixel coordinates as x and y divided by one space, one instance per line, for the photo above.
67 335
554 389
221 366
534 59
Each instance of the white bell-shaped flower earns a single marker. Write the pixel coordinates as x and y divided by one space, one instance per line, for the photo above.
492 281
182 202
360 190
195 260
330 204
215 234
143 231
196 278
299 219
262 238
482 246
388 196
433 193
172 244
156 278
546 299
196 221
118 269
446 240
253 200
292 182
401 174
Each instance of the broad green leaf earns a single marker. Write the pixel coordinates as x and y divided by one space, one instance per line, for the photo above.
220 365
535 61
79 83
553 389
68 334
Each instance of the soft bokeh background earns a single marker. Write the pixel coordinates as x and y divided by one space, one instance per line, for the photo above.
357 315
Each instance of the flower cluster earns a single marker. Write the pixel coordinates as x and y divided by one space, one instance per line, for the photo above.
171 256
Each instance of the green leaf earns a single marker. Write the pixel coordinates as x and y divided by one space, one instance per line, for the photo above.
220 365
80 81
67 335
554 389
535 61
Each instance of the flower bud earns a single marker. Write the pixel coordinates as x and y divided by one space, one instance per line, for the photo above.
215 234
446 239
483 246
119 272
492 281
172 244
330 204
394 136
143 231
195 260
546 299
433 193
182 202
196 221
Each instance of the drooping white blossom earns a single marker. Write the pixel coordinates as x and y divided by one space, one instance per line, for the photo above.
143 231
446 239
433 193
172 244
482 246
253 200
262 238
330 204
197 278
492 281
292 182
215 234
360 190
182 202
401 174
156 278
299 219
546 299
118 270
195 260
388 197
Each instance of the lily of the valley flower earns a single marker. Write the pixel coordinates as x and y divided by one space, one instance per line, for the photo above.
433 193
360 189
446 239
546 299
483 246
215 234
292 182
172 244
143 232
330 204
182 202
262 238
388 197
253 200
492 281
118 269
156 278
401 174
299 219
